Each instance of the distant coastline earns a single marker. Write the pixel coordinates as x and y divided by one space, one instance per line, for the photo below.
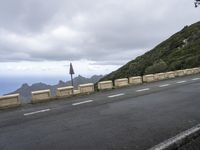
9 84
13 85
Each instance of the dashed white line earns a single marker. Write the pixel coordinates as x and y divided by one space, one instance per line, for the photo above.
116 95
36 112
141 90
196 79
164 85
89 101
181 81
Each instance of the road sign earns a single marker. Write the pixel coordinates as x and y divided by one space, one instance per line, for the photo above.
71 72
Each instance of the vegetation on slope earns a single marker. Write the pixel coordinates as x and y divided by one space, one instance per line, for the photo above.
180 51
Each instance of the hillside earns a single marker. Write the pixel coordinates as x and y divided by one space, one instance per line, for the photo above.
25 90
180 51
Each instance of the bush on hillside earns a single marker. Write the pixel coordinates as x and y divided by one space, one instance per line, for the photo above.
157 67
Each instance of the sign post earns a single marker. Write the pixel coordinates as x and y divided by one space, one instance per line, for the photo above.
71 72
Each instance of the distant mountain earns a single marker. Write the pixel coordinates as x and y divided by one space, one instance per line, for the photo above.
180 51
25 90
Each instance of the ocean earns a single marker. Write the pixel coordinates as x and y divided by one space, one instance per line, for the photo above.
9 84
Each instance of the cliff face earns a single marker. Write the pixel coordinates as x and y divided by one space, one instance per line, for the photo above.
180 51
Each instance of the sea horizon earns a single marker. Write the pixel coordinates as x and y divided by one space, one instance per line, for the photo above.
10 84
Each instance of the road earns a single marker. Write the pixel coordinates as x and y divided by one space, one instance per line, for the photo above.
135 118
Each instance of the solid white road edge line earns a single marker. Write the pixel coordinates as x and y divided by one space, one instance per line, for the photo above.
89 101
196 79
141 90
36 112
181 81
116 95
176 139
164 85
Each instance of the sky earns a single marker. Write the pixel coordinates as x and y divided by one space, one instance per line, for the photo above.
41 38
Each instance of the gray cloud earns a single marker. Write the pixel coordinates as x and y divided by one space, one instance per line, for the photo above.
105 31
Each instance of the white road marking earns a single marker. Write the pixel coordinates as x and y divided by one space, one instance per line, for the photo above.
89 101
177 139
164 85
141 90
181 81
196 79
36 112
117 95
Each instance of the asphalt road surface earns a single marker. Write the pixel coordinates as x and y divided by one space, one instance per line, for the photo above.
131 118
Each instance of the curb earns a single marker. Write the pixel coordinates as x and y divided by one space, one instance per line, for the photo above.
179 140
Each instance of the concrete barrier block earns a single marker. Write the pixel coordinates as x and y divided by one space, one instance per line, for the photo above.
40 96
121 82
179 73
160 76
105 85
9 101
65 91
76 92
196 70
149 78
86 88
170 74
135 80
188 71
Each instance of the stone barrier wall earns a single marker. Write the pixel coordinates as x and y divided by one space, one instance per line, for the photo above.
65 91
188 71
179 73
135 80
160 76
149 78
170 74
121 82
45 95
196 70
76 92
40 96
86 88
105 85
9 101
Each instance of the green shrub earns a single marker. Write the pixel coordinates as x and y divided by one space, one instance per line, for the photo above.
157 67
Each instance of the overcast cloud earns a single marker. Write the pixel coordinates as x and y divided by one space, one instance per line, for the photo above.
106 32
